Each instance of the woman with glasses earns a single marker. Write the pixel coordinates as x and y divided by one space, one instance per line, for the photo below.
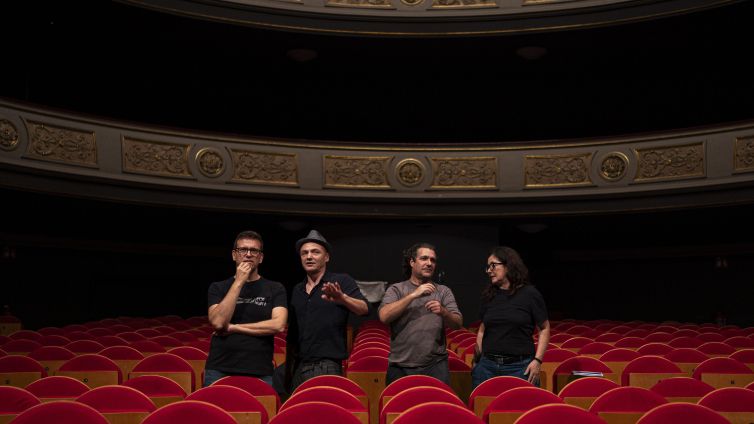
511 310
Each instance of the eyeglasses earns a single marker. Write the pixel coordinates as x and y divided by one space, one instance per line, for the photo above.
492 266
247 251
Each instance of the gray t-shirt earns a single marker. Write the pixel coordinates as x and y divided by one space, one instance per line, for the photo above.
417 337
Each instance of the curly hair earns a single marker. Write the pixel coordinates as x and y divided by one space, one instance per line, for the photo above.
517 273
410 254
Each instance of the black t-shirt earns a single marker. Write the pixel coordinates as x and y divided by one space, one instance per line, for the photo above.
322 324
509 321
241 353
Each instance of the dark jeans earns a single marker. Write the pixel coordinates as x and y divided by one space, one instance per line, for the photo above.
487 368
438 370
210 376
308 370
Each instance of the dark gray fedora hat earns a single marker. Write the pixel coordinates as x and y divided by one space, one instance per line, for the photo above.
314 237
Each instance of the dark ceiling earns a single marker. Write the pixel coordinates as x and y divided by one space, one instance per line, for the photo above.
114 60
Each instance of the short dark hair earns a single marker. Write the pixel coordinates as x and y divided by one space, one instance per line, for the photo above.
249 235
410 254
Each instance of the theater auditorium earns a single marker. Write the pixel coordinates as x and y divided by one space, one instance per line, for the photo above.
609 142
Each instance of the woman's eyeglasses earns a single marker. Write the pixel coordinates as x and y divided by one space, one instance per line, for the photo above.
492 266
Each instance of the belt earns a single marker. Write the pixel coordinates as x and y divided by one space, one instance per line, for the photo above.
506 359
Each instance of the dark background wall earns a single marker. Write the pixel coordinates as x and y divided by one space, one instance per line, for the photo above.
66 260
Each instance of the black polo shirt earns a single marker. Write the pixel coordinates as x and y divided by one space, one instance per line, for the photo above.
321 323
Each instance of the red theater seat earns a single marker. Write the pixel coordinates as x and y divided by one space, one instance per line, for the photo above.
414 396
167 365
255 387
724 372
119 404
682 413
510 405
57 387
429 413
625 404
93 370
51 357
189 412
315 413
335 381
584 391
13 401
60 412
332 395
734 403
488 390
244 407
558 413
646 371
682 389
19 371
161 390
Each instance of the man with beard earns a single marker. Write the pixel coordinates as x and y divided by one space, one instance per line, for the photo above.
417 310
246 310
320 307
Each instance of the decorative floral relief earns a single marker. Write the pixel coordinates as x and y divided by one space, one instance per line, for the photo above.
155 158
410 172
670 162
455 173
463 4
264 168
8 135
210 162
364 4
614 166
356 172
57 144
557 171
744 154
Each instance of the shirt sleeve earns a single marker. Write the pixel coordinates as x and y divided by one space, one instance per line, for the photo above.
449 301
279 297
215 294
349 287
538 308
392 294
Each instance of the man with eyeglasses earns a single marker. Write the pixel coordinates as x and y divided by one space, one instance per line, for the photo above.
246 310
417 310
320 306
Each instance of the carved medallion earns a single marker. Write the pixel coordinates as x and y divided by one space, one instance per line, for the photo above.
669 163
156 158
463 4
361 4
743 155
252 167
356 172
614 166
8 135
410 172
557 171
58 144
210 162
464 173
412 3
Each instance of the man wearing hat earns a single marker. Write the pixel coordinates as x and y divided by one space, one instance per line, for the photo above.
320 306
